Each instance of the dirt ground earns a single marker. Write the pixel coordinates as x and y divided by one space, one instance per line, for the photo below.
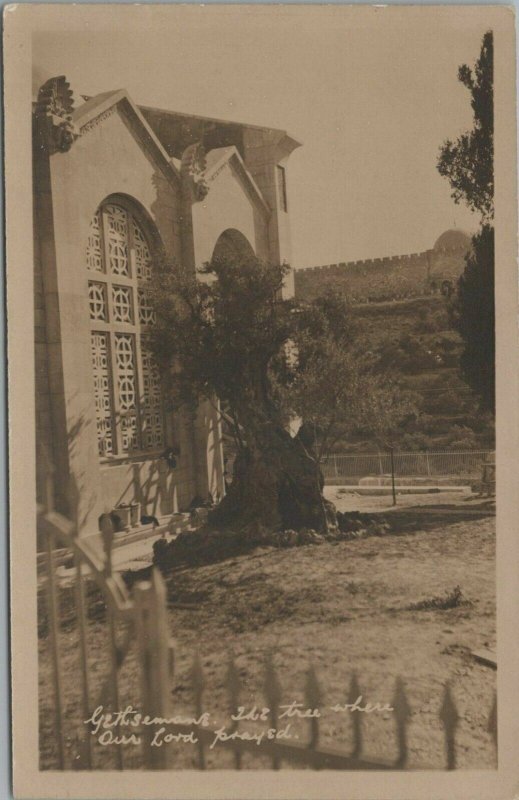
352 501
341 607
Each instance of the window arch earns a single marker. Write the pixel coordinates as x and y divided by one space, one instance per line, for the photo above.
128 397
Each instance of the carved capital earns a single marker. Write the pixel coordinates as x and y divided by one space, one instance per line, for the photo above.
192 170
54 109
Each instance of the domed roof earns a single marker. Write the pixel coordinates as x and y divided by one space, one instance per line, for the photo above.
453 239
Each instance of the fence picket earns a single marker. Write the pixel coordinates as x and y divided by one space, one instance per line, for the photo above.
73 501
233 683
107 535
47 470
153 640
402 713
53 614
356 718
273 694
114 678
313 698
123 648
83 661
449 717
492 721
198 684
86 748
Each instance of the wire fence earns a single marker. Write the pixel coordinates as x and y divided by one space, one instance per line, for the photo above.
465 464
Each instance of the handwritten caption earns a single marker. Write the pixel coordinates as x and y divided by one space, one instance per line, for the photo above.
117 728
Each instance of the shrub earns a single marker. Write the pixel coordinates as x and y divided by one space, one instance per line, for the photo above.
432 321
461 437
416 441
451 599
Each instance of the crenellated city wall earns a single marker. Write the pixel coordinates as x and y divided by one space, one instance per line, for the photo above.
381 279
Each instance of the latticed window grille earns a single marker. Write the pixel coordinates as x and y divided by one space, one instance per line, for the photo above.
122 304
126 388
95 260
101 368
117 239
97 301
128 397
142 254
146 312
152 408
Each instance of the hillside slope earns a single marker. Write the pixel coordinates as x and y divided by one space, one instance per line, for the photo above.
419 348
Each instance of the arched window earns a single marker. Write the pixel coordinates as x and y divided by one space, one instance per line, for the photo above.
128 396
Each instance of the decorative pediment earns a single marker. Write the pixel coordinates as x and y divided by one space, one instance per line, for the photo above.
219 158
193 167
96 110
54 108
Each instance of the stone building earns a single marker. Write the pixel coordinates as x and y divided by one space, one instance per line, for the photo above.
391 277
116 186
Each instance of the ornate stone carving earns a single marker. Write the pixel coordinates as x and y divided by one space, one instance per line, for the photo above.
93 123
54 109
192 169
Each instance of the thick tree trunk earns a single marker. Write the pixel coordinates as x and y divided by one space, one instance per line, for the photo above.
276 483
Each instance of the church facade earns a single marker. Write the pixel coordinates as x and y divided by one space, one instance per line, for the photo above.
116 187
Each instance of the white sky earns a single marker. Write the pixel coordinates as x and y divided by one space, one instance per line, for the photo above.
371 96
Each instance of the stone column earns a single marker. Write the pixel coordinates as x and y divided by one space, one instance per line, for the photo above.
67 335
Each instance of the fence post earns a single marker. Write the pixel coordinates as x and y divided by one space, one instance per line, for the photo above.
53 607
449 718
53 616
233 683
402 715
198 683
153 642
393 488
107 536
273 694
492 721
356 718
85 760
313 698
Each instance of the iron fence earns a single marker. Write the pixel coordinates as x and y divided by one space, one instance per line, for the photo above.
465 464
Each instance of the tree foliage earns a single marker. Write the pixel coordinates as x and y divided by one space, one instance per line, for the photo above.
225 340
331 375
468 163
222 336
386 411
232 341
473 315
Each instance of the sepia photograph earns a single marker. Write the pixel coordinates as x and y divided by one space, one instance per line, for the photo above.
262 451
